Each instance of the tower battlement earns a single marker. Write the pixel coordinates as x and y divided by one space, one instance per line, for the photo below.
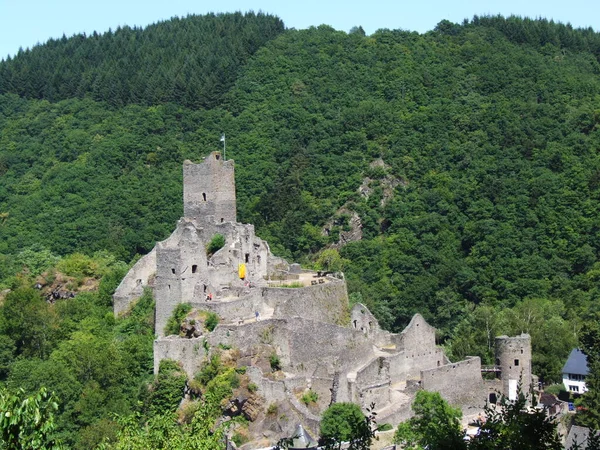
209 190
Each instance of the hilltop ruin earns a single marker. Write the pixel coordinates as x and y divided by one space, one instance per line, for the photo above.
268 306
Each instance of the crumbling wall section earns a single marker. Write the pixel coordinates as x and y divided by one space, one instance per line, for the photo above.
408 364
459 383
234 311
188 352
326 302
132 286
168 286
362 319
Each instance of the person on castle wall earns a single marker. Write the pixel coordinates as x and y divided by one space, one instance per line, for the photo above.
257 315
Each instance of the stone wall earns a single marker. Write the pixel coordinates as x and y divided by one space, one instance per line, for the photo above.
232 311
459 383
362 319
408 364
132 286
326 302
209 190
188 352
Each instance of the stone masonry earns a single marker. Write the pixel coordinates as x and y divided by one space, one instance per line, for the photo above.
343 355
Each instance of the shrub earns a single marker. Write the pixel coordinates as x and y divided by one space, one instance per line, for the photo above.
272 409
211 322
310 397
275 362
216 243
174 323
252 387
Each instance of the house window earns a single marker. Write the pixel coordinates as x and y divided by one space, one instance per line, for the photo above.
194 268
574 388
516 362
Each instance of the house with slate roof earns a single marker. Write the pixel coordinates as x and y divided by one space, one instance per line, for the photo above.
575 371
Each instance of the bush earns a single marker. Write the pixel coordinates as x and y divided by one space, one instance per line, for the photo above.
252 387
211 322
310 397
275 362
216 243
345 422
174 323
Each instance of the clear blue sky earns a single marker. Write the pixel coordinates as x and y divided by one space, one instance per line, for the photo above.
24 23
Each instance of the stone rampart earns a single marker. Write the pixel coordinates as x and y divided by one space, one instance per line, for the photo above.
459 383
408 364
233 310
326 302
188 352
132 286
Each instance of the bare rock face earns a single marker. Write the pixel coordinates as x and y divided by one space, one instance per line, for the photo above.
252 407
191 328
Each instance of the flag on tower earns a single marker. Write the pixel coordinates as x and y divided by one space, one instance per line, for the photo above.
223 138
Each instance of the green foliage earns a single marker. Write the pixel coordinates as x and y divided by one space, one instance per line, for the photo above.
436 425
166 391
212 320
589 415
30 322
163 431
329 260
310 397
173 325
210 369
275 362
27 422
216 243
217 45
345 422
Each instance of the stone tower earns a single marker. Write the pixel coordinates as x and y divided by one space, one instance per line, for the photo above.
209 191
513 355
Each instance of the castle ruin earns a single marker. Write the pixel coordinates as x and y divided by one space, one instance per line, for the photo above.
268 306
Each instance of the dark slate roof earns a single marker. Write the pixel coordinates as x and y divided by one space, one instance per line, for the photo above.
577 363
577 435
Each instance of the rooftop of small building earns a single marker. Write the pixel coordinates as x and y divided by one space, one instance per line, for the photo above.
577 363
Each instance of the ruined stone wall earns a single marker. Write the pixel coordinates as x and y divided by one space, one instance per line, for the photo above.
132 286
362 319
313 343
209 190
373 383
459 383
168 286
232 311
326 302
189 352
408 364
418 336
302 345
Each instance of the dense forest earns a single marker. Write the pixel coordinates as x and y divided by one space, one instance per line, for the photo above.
470 154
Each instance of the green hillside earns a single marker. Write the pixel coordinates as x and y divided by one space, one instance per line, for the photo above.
483 214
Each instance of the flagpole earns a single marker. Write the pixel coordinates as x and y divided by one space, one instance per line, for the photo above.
224 148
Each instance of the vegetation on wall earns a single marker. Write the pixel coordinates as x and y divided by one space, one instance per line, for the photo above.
469 153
